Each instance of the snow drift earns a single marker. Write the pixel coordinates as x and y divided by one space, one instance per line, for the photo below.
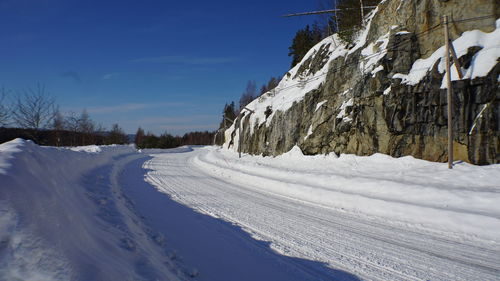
62 219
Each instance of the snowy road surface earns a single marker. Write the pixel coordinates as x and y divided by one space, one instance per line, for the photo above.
369 247
106 213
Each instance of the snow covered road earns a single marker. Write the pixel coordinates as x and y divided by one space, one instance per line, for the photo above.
383 246
102 213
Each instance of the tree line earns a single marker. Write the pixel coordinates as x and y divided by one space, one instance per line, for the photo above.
34 115
166 140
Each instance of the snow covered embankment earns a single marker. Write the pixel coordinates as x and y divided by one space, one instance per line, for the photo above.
462 202
61 219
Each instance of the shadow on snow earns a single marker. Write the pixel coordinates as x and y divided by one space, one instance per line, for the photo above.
216 249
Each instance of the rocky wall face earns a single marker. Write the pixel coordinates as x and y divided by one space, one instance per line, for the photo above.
420 16
363 113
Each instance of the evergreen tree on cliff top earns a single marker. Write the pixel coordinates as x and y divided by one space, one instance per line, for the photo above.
348 21
349 17
303 41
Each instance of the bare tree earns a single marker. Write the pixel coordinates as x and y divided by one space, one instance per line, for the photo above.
34 108
71 123
4 109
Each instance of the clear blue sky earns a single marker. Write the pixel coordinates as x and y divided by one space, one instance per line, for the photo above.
162 65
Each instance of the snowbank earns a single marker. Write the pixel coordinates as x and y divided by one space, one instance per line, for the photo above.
409 191
60 217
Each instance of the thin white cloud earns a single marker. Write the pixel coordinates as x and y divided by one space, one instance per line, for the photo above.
186 60
108 76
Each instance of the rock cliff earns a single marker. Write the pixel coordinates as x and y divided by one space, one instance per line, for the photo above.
385 92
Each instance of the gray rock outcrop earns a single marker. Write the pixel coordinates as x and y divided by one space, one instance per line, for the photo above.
365 107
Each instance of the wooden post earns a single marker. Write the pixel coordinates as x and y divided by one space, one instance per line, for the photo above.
239 137
449 93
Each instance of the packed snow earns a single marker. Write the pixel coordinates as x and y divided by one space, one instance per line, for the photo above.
95 213
377 217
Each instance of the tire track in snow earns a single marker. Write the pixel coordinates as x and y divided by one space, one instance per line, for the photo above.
369 249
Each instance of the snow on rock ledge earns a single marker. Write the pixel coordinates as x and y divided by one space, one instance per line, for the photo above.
384 94
481 64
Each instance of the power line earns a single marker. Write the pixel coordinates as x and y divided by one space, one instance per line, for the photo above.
326 11
393 48
475 18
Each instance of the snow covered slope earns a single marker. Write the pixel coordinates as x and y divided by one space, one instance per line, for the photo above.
62 217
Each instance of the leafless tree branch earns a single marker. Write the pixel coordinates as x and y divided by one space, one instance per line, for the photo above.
5 111
34 108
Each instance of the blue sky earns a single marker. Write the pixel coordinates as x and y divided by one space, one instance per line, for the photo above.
162 65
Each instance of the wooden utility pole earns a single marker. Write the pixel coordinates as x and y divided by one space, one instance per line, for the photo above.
449 93
239 135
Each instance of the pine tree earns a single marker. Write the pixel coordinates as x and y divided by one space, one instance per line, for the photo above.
139 138
349 17
272 83
116 135
303 41
229 113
